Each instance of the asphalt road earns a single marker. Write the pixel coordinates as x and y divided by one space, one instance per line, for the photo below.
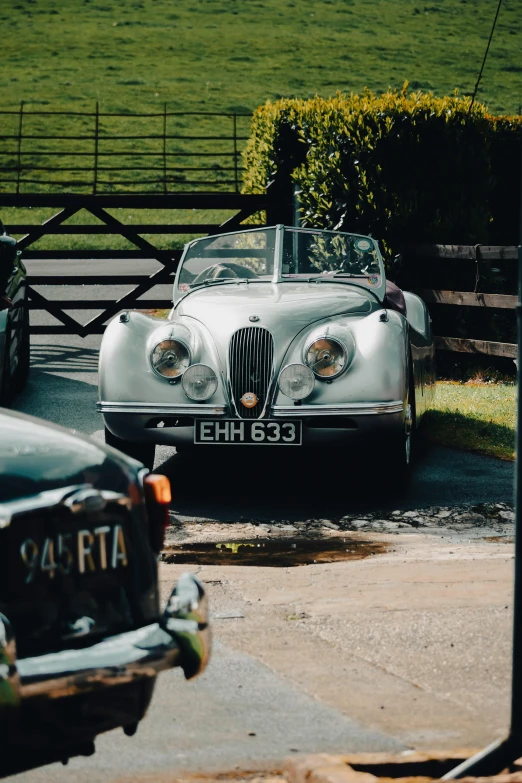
62 388
96 267
207 724
238 714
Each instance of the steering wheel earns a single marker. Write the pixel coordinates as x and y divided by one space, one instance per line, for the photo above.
224 271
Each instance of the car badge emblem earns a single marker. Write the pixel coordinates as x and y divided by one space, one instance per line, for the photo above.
249 400
254 319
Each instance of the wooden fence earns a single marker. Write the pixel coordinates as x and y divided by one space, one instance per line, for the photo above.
106 152
427 268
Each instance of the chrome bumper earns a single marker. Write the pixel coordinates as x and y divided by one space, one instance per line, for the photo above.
345 409
181 638
161 408
340 409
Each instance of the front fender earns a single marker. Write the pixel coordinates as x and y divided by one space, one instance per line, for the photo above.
125 371
379 368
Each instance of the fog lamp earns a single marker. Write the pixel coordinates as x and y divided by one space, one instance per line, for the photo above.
296 381
199 382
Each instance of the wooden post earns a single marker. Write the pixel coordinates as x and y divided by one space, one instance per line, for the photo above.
280 209
236 176
96 136
165 188
20 126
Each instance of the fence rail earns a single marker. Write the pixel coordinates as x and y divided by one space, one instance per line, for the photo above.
482 258
422 263
463 345
197 149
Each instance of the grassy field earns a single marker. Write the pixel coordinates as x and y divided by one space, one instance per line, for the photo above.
36 215
151 56
474 417
232 55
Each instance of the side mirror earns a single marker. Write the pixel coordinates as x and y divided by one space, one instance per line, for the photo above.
8 251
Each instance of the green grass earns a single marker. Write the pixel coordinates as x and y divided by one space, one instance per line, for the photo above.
138 56
232 55
474 417
11 215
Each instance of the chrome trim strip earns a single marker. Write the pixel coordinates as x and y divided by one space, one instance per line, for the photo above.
113 661
278 253
344 408
74 496
161 408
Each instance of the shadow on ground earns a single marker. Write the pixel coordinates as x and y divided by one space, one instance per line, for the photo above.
64 358
320 485
70 403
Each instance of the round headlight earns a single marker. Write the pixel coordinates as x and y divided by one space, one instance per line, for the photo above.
296 381
199 382
326 357
170 358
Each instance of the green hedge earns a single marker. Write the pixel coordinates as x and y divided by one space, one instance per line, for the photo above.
405 167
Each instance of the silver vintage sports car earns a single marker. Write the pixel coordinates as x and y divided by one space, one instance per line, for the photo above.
281 337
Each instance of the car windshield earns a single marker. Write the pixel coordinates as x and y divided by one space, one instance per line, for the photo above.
256 255
248 255
328 253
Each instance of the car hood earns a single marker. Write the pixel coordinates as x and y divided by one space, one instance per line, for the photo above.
36 456
293 305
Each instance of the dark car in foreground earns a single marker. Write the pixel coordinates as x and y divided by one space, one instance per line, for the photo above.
82 635
14 319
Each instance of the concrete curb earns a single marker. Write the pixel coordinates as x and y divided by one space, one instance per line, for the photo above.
407 767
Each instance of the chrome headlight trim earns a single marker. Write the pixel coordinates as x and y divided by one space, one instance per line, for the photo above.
341 345
214 385
182 342
287 368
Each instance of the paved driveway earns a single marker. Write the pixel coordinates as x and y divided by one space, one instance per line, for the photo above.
243 711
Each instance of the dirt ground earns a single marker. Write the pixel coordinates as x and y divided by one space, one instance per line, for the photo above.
414 641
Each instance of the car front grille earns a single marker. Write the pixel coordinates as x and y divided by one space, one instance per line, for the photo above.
251 357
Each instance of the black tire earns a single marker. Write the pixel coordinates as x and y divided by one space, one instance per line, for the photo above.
397 456
6 384
24 360
186 449
143 451
397 467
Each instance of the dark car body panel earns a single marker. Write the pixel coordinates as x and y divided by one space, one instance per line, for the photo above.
82 637
56 610
36 456
13 310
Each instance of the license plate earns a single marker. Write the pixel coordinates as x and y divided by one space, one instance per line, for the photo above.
80 552
248 433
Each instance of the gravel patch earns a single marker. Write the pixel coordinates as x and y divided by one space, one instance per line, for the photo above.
476 520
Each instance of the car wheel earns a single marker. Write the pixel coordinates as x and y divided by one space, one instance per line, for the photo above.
143 451
397 464
6 387
398 458
24 360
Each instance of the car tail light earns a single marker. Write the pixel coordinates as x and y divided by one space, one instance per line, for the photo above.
157 498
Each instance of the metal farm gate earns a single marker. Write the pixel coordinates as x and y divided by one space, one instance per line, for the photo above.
101 162
245 206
